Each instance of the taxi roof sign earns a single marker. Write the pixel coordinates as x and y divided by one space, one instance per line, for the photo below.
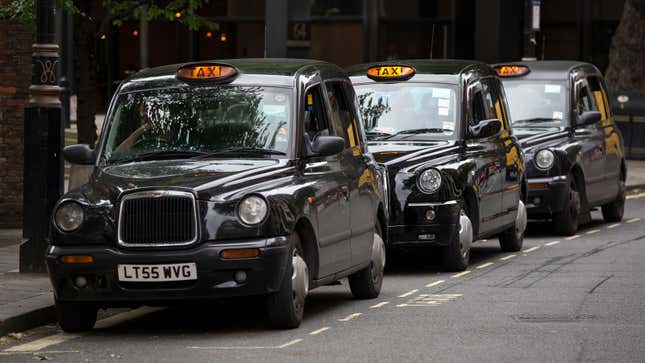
207 72
390 73
511 70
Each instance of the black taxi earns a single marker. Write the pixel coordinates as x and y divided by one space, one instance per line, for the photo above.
453 169
221 179
574 151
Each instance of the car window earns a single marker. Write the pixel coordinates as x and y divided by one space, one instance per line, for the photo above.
477 108
490 99
584 100
352 103
341 117
494 101
315 120
538 103
599 96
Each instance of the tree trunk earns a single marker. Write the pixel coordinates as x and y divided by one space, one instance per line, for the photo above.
86 44
626 71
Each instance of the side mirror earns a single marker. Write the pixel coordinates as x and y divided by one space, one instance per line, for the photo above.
328 145
80 154
485 128
588 118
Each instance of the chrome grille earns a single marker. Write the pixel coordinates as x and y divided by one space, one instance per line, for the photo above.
158 218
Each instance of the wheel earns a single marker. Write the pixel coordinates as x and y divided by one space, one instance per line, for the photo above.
613 212
566 221
456 255
512 239
76 316
366 283
286 306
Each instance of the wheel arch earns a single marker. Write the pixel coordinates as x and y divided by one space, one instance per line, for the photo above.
579 178
470 198
305 230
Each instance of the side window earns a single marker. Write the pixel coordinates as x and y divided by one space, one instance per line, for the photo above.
490 98
477 109
599 96
495 107
357 125
315 120
584 102
342 119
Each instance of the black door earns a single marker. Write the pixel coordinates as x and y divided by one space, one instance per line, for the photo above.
328 178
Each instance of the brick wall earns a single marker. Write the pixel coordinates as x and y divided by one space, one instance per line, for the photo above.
15 78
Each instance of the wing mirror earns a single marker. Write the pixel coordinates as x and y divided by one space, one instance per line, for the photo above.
328 145
80 154
485 128
588 118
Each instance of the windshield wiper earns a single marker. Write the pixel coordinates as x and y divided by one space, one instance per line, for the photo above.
536 120
241 149
417 131
162 154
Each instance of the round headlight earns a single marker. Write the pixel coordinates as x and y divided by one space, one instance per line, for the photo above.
429 181
252 210
544 159
68 216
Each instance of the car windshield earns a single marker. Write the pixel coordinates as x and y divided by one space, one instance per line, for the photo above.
536 103
408 111
199 122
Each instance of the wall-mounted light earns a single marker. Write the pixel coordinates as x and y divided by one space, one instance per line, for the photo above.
178 14
135 33
103 36
209 34
223 37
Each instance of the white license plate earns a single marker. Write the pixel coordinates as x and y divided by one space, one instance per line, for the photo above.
157 273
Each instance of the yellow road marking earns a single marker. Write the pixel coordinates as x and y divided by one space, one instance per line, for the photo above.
613 226
507 257
435 283
350 317
531 249
552 243
316 332
635 196
593 231
409 293
485 265
295 341
633 220
464 273
572 237
375 306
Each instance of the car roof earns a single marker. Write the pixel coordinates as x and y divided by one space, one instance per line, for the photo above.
550 69
258 71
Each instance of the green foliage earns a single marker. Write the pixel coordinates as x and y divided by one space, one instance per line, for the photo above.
21 10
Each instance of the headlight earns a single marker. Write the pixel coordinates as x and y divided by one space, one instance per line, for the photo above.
544 159
252 210
68 216
429 181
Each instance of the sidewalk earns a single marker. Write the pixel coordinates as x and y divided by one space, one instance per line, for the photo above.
26 300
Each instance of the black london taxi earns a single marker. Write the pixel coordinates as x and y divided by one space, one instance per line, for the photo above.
574 151
453 170
221 179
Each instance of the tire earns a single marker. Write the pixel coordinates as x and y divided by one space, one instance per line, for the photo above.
74 317
566 221
456 256
512 239
613 212
286 307
366 283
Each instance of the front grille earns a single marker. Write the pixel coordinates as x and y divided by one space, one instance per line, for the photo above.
158 218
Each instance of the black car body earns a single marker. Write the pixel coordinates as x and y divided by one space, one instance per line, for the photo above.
450 117
574 151
241 177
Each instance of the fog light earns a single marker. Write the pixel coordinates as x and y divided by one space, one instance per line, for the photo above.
80 281
430 215
240 277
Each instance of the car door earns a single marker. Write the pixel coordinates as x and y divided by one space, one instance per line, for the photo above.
512 162
612 139
330 182
357 168
591 141
486 155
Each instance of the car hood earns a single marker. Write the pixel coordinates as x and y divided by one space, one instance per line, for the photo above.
205 177
398 153
531 137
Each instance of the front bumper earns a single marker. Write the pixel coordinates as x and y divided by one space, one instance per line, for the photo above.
215 276
547 196
417 231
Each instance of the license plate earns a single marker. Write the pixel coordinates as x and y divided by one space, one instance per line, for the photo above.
158 273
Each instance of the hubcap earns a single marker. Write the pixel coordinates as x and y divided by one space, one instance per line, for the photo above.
299 280
520 220
465 233
378 258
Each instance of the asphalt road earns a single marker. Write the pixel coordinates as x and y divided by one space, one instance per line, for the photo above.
559 300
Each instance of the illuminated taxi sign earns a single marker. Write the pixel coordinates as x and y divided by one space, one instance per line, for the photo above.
207 72
512 70
384 73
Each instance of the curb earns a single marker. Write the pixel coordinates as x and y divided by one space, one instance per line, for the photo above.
33 312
